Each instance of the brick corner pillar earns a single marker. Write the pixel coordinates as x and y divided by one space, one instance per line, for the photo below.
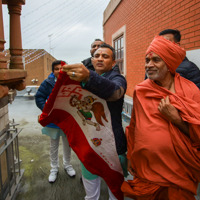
3 62
16 60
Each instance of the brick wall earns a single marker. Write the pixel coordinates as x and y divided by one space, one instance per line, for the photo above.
39 68
145 19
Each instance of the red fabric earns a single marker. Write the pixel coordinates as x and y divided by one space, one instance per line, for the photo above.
62 63
77 139
170 52
159 152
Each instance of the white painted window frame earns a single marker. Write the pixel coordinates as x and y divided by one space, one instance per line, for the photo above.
118 33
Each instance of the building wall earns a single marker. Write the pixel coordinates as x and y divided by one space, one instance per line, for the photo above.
35 70
145 19
39 68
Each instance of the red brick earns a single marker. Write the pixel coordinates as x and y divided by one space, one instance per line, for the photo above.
188 15
197 33
189 4
195 39
185 2
195 6
189 45
197 44
196 18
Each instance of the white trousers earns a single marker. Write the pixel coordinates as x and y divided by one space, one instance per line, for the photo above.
92 189
54 158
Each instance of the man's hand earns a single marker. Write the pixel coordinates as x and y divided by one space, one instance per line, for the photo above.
172 114
129 168
77 72
168 110
38 118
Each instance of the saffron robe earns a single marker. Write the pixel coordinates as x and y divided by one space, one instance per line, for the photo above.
161 155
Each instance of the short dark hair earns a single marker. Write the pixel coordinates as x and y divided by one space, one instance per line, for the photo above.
56 62
176 33
96 40
104 45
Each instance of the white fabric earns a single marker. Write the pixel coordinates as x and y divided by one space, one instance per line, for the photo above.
106 140
54 158
111 196
92 189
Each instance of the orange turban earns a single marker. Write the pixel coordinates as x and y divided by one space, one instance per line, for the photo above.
171 53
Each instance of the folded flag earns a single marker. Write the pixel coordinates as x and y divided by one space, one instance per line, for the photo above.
85 119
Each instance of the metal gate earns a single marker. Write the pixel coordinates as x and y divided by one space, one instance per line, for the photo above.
10 172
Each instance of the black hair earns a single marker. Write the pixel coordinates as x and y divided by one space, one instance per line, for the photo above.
104 45
96 40
176 33
56 62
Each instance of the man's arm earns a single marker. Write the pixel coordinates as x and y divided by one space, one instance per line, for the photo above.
172 114
190 71
109 88
41 96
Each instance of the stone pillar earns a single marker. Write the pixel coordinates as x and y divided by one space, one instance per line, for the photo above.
3 62
16 61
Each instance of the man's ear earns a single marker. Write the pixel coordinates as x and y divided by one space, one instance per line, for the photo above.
91 52
92 59
114 63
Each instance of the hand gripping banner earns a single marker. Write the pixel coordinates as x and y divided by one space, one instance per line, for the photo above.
86 120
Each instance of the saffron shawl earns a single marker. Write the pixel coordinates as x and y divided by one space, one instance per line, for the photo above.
160 154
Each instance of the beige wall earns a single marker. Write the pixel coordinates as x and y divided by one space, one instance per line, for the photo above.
37 65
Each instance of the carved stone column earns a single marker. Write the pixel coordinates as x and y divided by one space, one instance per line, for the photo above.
13 77
3 62
16 61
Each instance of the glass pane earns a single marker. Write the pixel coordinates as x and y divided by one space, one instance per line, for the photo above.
122 42
119 46
116 55
115 44
122 53
120 56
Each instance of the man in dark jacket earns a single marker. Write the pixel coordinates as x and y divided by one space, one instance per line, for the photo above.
186 69
111 86
94 46
52 130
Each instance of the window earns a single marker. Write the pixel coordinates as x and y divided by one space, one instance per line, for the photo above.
119 52
119 43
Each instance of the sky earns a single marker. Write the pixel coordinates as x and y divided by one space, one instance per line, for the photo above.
64 28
